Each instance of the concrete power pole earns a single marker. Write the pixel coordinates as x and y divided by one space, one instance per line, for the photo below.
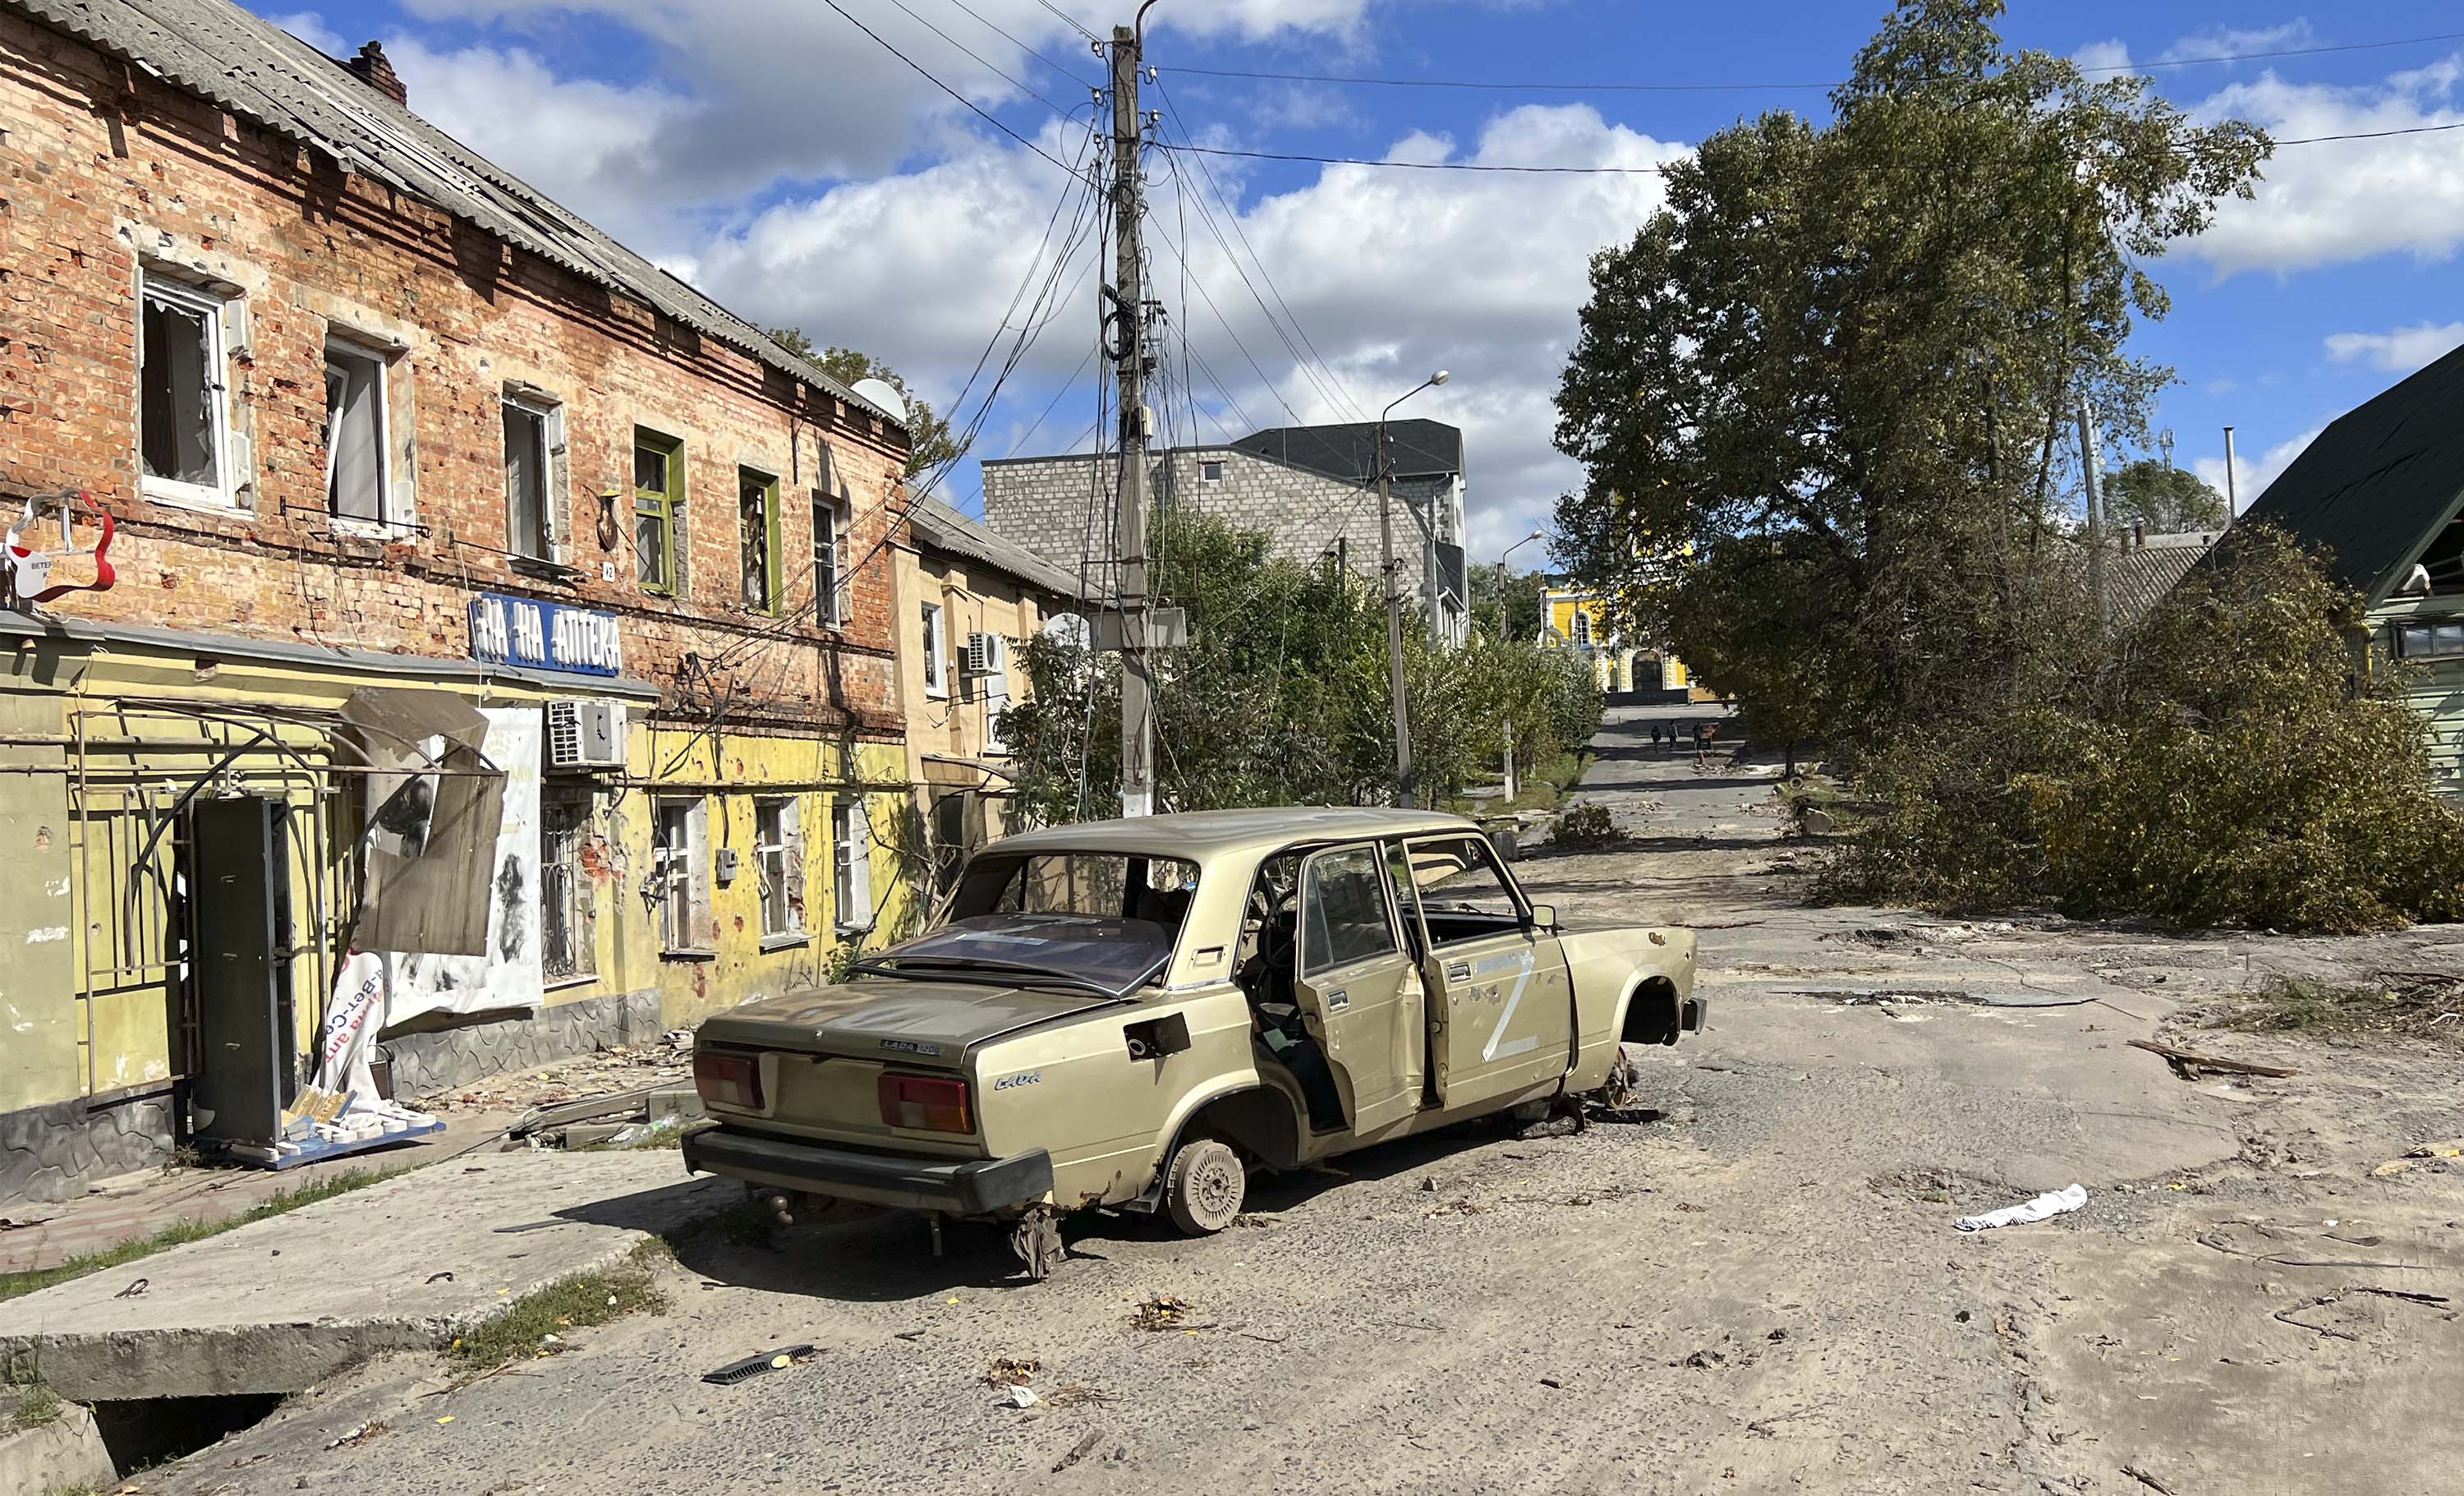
1129 524
1400 701
2232 500
2092 475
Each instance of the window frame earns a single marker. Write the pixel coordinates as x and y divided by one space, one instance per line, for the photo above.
1206 477
579 916
851 865
778 850
771 572
993 687
937 650
2427 624
1376 855
222 492
665 506
683 921
380 363
830 581
1488 858
548 413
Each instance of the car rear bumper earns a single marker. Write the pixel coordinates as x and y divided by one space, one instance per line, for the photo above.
952 1186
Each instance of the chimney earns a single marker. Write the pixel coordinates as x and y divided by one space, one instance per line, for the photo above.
377 73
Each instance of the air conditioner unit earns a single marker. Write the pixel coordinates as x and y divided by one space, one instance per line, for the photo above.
982 655
586 735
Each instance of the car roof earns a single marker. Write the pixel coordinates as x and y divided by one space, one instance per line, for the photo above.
1204 834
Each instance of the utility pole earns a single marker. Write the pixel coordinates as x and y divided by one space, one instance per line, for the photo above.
2091 473
1127 303
1402 705
2233 505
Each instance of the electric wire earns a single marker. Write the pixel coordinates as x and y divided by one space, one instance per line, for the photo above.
980 60
980 112
1039 55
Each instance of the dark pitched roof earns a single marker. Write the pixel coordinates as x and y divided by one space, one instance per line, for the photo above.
2379 480
260 72
939 527
1350 451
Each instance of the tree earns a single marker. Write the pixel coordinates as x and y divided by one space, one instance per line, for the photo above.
932 446
1819 397
2164 498
1506 603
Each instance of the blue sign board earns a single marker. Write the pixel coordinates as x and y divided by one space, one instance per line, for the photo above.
547 636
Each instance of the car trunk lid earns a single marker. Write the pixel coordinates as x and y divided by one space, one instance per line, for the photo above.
912 1022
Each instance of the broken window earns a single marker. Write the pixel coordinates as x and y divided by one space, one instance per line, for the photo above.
852 858
567 944
829 560
355 435
937 677
658 495
778 860
180 393
530 449
1463 895
680 830
757 523
949 839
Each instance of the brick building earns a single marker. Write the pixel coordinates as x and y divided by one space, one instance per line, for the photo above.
299 397
1312 488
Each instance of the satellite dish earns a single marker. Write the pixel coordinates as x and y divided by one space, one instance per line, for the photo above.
1066 628
883 393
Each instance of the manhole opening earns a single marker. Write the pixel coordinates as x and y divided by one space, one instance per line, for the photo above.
142 1432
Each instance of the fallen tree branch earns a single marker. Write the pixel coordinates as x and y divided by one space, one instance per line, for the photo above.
2184 1062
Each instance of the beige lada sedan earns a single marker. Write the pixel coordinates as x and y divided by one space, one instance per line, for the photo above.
1133 1015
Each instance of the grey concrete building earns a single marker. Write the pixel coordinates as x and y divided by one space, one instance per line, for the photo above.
1312 488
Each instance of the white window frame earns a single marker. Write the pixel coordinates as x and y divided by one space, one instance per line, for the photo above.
684 891
776 860
1580 627
937 664
550 415
218 494
852 865
829 559
342 350
995 687
1206 477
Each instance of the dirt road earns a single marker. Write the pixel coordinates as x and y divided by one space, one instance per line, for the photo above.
1759 1290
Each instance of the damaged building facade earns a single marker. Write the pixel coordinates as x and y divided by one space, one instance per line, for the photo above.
318 431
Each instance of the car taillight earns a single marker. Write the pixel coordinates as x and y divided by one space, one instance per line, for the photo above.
926 1103
731 1080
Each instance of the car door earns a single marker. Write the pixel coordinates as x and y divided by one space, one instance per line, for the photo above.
1501 1013
1359 994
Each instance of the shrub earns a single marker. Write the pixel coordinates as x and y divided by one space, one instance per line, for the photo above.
1584 825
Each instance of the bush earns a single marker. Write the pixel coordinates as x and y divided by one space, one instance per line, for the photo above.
1582 827
2229 766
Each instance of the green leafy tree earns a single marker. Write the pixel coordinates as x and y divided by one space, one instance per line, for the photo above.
2165 499
932 444
1506 603
1850 350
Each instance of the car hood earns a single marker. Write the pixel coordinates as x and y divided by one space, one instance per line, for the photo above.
893 1017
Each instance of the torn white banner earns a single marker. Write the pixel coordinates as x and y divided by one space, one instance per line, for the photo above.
2042 1207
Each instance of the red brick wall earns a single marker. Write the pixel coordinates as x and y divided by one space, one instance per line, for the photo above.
83 205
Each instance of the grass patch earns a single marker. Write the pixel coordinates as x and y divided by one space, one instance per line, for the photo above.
1539 787
15 1284
36 1406
2391 1004
594 1298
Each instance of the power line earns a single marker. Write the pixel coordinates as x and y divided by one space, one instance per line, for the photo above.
1074 24
979 60
2375 135
979 111
1412 166
1037 54
1225 322
1539 86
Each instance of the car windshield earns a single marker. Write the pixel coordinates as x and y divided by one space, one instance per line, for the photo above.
1104 920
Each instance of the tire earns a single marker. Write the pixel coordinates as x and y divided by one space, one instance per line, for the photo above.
1205 1186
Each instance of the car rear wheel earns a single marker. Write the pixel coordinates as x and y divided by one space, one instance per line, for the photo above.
1206 1187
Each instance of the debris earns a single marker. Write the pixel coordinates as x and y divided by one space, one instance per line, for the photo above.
2315 1301
1553 1384
10 1223
2188 1065
2145 1479
1069 1395
2042 1207
909 1334
446 1276
734 1372
1702 1360
1008 1372
1554 1127
1429 1185
1080 1450
1161 1311
1018 1396
359 1435
1776 1334
1456 1207
133 1289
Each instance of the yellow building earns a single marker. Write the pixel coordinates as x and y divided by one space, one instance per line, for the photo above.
1578 620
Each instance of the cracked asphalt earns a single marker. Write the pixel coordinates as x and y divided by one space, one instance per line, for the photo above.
1754 1285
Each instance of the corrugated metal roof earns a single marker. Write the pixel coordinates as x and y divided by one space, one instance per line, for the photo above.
1349 451
261 73
937 526
2379 479
2143 573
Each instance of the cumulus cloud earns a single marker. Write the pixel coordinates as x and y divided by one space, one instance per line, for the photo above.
2240 42
2401 351
2103 57
2349 199
2252 475
311 28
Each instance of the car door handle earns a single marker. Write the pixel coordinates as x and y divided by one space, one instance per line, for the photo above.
1338 1002
1459 971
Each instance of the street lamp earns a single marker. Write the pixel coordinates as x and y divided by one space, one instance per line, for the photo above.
1393 596
1536 535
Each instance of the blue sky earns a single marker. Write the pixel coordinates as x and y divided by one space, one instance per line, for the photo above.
770 151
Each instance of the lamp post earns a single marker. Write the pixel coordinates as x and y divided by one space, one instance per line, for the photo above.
1506 597
1394 594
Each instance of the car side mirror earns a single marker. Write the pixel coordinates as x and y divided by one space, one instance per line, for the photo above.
1544 916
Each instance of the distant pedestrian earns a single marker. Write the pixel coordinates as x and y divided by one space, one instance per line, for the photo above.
1704 732
1657 736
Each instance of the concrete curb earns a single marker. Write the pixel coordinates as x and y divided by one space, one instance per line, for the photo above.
65 1454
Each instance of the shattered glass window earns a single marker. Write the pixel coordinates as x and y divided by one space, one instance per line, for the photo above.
180 386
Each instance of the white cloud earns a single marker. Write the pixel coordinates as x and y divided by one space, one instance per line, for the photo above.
2253 474
2403 351
2239 42
2103 57
2345 200
311 28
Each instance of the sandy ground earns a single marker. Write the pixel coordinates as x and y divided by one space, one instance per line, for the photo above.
1758 1290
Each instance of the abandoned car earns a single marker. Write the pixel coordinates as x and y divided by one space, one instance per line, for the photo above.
1132 1013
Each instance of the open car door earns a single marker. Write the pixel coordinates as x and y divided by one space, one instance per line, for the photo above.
1360 993
1501 1010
